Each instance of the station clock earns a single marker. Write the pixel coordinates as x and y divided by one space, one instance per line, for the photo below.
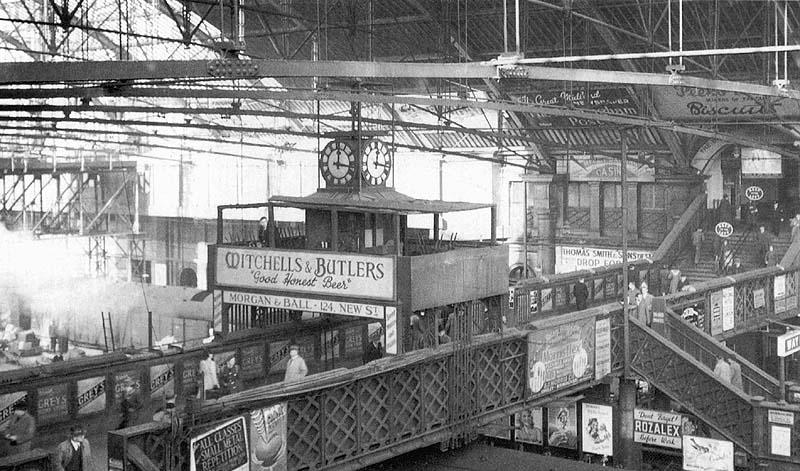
376 162
338 163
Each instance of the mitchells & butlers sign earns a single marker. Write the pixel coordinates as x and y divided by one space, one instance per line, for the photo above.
351 275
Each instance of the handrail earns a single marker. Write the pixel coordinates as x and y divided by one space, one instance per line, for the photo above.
755 382
792 256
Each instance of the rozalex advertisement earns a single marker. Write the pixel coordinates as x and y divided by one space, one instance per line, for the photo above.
366 276
560 356
223 448
596 429
657 428
268 438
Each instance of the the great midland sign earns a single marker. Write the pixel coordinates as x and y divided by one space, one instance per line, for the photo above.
363 276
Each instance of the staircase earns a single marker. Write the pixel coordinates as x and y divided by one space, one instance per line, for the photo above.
744 247
680 361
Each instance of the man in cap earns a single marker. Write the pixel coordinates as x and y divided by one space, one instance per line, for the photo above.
74 453
296 368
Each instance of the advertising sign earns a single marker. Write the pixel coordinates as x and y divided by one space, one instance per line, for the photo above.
562 426
657 428
560 356
7 402
780 417
594 167
596 429
759 299
715 305
528 426
727 308
162 381
252 362
698 104
780 440
268 438
573 258
724 229
754 193
760 163
703 454
789 343
607 100
363 276
52 403
123 379
779 293
371 311
91 395
223 448
547 299
602 348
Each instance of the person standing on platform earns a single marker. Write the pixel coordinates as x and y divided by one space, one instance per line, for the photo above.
263 232
208 368
19 430
697 243
74 453
645 307
374 349
129 406
752 214
296 369
52 331
62 332
581 293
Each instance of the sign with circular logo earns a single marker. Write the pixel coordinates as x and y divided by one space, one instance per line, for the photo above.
754 193
724 229
537 375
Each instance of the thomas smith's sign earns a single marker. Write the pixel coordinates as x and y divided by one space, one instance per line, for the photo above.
570 258
657 428
366 276
303 304
224 448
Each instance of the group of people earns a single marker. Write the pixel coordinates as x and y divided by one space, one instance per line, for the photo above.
729 371
18 432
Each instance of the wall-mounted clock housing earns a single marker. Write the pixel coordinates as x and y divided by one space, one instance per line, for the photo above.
338 163
376 162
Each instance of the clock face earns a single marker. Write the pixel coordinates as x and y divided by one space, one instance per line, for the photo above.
376 162
337 163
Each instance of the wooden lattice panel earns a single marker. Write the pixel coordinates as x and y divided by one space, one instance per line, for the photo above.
375 398
340 423
487 377
304 433
435 393
515 370
406 411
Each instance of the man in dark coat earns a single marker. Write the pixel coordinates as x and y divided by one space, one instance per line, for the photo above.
581 293
373 351
18 431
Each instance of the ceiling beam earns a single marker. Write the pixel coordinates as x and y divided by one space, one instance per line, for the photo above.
15 73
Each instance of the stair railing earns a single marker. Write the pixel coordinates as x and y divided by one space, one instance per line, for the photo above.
792 256
736 249
679 238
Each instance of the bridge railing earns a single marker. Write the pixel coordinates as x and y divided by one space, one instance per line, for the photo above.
549 295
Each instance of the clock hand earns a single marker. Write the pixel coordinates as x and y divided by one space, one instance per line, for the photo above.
376 164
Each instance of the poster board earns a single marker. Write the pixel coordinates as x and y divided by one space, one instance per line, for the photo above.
702 454
562 425
268 438
223 448
597 429
528 426
561 356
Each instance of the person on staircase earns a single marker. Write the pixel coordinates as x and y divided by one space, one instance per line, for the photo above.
771 258
581 293
645 308
725 211
752 215
737 266
777 217
763 241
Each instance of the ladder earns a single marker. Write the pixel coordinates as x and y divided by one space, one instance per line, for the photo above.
108 330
